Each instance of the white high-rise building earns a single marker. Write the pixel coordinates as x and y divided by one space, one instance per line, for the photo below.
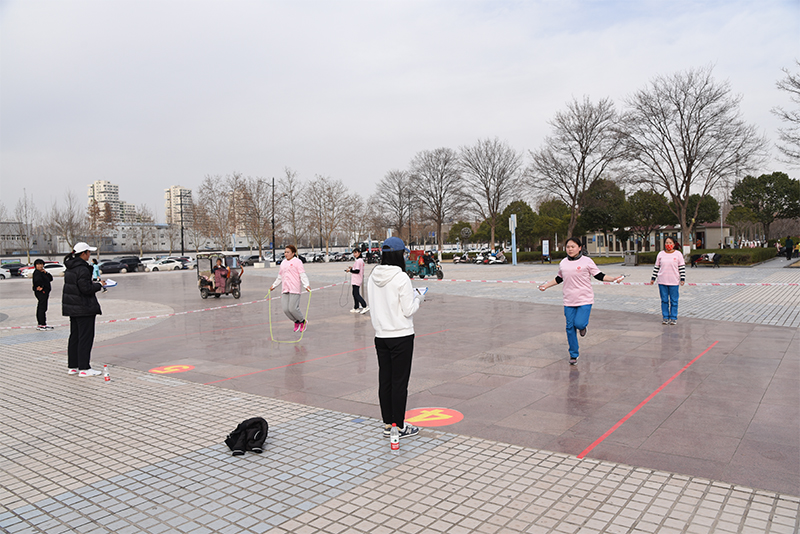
127 212
178 204
104 192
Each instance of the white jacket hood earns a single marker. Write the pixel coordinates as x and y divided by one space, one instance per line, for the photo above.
392 302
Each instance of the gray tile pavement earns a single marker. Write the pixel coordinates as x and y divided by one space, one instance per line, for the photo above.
134 455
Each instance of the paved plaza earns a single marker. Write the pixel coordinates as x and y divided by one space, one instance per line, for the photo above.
689 428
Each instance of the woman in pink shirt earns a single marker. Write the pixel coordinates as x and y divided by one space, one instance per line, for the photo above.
356 280
576 271
292 274
670 269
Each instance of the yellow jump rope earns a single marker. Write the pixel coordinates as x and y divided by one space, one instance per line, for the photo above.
302 333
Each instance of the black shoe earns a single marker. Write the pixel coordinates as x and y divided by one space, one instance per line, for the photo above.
582 332
409 430
573 361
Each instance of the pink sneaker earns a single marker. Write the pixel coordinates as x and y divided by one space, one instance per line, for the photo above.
303 326
296 326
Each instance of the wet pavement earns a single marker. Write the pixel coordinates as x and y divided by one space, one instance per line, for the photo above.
496 353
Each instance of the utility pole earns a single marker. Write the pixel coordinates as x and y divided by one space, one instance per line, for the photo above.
273 219
181 205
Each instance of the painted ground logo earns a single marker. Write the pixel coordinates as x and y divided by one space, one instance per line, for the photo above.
433 416
167 369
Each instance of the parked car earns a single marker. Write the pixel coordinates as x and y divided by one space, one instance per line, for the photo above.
56 269
186 261
4 273
250 260
112 267
165 265
133 263
13 267
148 261
282 256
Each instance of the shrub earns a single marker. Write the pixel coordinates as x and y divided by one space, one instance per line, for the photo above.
743 256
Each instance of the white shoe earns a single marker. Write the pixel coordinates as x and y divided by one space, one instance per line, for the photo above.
72 372
353 310
90 372
364 310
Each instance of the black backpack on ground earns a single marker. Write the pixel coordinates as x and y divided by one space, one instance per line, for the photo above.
250 435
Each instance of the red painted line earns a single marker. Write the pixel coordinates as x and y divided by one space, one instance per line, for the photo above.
306 361
611 430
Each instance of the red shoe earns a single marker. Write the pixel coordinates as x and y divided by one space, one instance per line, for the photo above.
296 326
303 326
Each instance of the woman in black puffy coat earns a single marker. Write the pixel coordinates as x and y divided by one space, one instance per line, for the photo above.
79 303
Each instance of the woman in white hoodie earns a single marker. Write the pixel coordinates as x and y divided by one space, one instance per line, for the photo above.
393 302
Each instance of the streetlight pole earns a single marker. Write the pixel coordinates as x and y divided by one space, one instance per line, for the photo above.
273 219
181 205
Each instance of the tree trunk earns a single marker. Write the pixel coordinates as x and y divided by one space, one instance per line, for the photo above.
573 222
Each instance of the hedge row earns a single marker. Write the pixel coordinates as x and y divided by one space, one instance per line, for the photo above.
742 256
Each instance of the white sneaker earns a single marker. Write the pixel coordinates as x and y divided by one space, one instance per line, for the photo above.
353 310
364 310
90 372
72 372
48 327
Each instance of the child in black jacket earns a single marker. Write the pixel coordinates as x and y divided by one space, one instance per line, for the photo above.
41 288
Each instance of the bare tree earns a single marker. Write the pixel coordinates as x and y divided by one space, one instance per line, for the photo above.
581 150
214 200
68 223
392 198
357 223
142 229
436 177
173 234
198 227
3 212
491 172
256 204
789 136
684 133
329 201
289 201
27 217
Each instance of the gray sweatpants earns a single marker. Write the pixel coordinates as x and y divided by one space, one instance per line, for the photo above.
291 306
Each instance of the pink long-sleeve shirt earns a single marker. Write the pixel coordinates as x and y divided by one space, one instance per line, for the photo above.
577 276
669 266
356 279
293 276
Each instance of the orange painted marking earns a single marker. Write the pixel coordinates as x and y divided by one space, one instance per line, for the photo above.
171 369
433 416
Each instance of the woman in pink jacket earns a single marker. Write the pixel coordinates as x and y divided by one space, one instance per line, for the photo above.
576 271
292 274
670 269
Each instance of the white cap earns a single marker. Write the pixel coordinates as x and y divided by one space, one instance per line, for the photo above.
82 247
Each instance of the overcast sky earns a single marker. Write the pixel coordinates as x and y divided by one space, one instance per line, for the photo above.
153 93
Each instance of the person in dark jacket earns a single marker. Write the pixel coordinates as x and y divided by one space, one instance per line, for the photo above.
79 303
41 288
789 247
